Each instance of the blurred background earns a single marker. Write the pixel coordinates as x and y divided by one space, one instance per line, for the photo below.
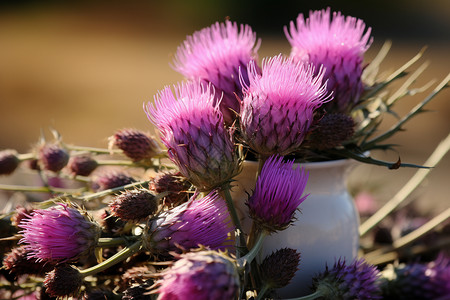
86 68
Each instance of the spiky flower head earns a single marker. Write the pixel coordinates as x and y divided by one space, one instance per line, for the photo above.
173 183
278 106
18 262
59 234
200 275
82 165
192 129
216 54
338 43
417 280
277 195
9 161
65 280
134 205
52 157
111 179
135 144
203 221
278 269
356 281
331 131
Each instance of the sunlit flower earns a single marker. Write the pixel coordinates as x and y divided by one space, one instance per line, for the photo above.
338 43
215 54
278 105
192 129
278 193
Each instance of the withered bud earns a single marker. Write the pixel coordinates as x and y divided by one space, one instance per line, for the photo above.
135 144
134 205
82 165
9 161
52 157
278 269
18 263
174 184
111 180
63 281
331 131
21 213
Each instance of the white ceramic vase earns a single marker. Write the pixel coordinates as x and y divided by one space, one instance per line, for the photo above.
326 228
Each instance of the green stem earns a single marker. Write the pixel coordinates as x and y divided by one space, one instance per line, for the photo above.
110 242
250 256
115 259
240 240
261 162
126 163
315 295
261 293
111 191
92 149
26 156
40 189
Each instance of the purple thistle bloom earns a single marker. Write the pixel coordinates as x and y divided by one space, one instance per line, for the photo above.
200 275
357 281
192 129
215 54
418 280
198 222
59 234
277 195
278 106
338 43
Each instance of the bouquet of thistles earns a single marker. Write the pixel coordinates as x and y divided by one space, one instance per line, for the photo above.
141 220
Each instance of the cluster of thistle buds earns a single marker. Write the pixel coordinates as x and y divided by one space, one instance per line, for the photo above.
137 221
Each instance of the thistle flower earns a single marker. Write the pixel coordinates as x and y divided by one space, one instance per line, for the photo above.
192 129
134 205
172 183
418 280
357 281
278 107
338 43
200 275
111 179
277 194
331 131
59 234
197 222
52 157
63 281
278 269
82 165
216 54
9 161
135 144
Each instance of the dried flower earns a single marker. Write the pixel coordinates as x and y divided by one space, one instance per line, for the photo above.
65 280
111 179
197 222
278 105
277 195
338 43
417 280
9 161
52 157
216 54
192 129
357 281
82 165
174 184
61 233
331 131
134 205
135 144
200 275
18 262
278 269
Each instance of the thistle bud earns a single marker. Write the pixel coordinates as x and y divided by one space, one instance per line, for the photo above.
135 144
174 184
331 131
21 213
18 263
9 161
278 269
65 280
45 234
82 165
111 180
134 205
52 157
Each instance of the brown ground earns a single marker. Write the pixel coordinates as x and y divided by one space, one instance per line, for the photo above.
87 77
